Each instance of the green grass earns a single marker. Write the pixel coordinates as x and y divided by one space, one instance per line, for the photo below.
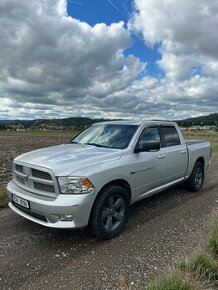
171 283
213 240
205 265
3 198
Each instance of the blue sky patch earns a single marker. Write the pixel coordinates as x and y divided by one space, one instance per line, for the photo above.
111 11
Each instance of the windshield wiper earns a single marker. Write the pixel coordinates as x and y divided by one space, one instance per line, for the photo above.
74 142
95 144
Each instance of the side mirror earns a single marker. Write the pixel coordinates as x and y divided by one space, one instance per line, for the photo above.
147 146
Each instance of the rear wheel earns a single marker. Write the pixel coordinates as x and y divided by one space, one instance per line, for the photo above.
196 180
110 212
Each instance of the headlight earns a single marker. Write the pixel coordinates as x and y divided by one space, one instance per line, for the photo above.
75 185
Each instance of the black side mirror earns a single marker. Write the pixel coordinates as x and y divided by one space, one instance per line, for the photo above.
147 146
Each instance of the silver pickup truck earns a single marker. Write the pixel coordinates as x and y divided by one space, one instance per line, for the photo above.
92 180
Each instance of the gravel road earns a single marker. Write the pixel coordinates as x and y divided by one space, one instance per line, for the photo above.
161 229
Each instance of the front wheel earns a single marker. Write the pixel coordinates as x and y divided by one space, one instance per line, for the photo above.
110 212
196 180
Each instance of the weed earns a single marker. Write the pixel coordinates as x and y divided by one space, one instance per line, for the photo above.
213 239
205 265
3 198
171 283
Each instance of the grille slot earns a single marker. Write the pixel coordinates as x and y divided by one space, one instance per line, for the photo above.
43 187
19 168
41 174
20 179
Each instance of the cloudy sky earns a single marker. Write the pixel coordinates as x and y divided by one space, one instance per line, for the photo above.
153 59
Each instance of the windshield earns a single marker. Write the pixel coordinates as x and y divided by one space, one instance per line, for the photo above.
107 135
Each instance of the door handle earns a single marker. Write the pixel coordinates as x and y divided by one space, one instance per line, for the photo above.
183 151
161 156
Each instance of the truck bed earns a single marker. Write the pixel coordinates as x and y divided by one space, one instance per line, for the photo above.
192 142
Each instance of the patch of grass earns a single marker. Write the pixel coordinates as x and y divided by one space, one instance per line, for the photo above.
213 239
214 147
171 283
182 265
3 198
211 136
205 265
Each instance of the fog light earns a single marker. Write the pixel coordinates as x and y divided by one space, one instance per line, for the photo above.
66 217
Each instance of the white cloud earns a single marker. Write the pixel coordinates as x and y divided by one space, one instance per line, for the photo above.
47 57
183 24
186 32
53 65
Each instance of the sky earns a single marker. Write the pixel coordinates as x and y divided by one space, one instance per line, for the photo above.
130 59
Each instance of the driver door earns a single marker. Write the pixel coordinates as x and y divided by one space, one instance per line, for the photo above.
150 166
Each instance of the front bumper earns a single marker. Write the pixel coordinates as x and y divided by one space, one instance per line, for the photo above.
51 212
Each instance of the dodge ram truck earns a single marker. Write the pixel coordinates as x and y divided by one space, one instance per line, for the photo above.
93 180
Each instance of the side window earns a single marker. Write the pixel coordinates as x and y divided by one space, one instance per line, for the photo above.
150 134
170 136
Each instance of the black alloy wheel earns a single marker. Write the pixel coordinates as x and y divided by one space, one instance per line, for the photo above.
110 212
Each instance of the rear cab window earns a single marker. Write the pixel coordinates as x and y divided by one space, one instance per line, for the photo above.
170 136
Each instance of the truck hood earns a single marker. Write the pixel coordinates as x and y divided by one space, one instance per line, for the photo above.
68 159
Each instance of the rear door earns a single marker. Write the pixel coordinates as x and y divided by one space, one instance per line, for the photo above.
150 167
176 153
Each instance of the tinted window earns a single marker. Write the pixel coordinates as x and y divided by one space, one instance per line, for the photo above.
150 134
170 136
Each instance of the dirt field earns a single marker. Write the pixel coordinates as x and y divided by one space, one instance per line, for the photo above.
13 144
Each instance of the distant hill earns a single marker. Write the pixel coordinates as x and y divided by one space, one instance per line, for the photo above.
209 120
65 122
73 122
81 122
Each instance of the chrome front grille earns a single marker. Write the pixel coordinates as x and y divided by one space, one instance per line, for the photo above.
35 180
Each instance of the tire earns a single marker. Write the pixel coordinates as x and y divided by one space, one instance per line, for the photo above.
110 212
196 180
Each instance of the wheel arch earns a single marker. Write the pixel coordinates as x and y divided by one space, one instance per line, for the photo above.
201 160
119 182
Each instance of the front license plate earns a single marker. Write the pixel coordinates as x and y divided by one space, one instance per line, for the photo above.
21 201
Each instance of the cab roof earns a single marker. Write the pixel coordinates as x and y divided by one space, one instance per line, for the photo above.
138 123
